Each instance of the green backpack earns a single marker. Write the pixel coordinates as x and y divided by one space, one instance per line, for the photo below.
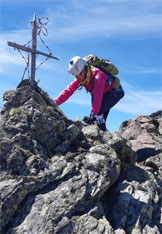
104 65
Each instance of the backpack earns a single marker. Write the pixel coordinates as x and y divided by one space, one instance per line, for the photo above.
105 66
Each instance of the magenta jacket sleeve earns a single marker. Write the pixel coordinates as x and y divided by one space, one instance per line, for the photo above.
67 92
98 91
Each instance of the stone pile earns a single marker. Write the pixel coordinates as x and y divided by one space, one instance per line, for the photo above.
63 176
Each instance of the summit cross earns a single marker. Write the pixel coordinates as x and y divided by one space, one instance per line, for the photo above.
32 50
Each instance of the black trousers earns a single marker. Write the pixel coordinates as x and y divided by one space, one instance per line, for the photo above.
109 100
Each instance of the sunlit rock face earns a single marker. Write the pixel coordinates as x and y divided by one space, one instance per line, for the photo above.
63 176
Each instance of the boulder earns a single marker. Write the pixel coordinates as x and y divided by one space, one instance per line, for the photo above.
144 134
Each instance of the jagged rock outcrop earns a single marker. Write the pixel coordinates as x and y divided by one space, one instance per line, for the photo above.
60 176
144 133
136 197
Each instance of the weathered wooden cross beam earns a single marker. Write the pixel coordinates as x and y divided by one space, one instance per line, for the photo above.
32 50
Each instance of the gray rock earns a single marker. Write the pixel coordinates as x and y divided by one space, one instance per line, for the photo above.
56 173
144 134
135 202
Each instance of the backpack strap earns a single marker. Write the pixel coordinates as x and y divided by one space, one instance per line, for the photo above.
93 79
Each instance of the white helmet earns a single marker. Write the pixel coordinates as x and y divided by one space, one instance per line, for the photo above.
76 65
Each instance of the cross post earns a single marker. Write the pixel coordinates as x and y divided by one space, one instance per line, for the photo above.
33 55
32 50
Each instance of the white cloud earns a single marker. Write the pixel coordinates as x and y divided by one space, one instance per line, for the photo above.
68 23
9 57
143 70
8 54
75 19
91 27
140 102
109 19
21 36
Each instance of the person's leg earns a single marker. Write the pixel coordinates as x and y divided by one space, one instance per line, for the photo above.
109 100
106 114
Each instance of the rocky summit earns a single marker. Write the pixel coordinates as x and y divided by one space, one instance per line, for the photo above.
63 176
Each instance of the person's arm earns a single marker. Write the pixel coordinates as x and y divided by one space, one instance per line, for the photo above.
67 92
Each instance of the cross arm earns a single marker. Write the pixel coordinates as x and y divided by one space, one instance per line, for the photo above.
24 48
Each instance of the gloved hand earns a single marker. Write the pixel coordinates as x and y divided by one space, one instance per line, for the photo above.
96 119
101 122
100 119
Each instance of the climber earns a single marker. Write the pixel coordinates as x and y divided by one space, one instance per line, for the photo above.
99 84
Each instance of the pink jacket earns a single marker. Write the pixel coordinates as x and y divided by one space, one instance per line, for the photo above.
98 85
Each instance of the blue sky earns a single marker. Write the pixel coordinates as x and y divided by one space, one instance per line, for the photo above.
128 32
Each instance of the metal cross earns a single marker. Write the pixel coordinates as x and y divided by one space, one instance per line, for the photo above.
32 50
